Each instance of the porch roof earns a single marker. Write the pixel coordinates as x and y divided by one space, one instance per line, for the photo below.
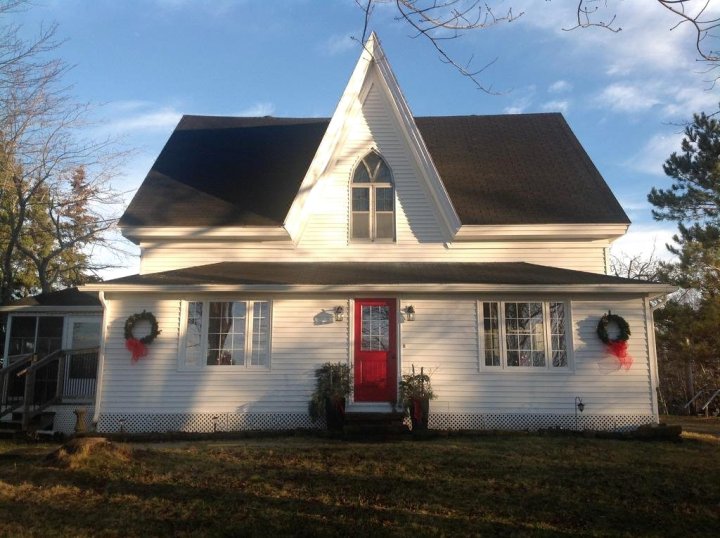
421 276
71 299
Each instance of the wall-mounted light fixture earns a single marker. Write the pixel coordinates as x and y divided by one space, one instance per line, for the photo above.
579 404
339 313
410 313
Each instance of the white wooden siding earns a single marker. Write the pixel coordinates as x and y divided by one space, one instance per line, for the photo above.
443 339
418 237
581 257
156 385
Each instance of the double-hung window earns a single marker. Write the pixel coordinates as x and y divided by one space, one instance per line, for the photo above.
373 200
227 333
523 334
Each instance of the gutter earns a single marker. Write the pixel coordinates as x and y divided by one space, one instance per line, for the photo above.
184 289
101 359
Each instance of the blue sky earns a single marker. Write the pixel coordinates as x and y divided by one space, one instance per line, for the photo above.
147 62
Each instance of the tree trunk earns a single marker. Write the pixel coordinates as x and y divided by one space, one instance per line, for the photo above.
690 385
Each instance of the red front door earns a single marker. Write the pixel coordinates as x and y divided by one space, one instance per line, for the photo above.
375 354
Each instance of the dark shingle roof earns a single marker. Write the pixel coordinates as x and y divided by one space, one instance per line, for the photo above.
513 169
66 297
380 273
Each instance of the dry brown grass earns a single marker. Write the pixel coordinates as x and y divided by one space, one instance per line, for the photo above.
495 486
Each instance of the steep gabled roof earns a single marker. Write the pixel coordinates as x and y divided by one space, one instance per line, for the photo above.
512 169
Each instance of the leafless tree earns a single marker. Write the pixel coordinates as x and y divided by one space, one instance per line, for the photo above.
439 21
694 13
55 192
638 266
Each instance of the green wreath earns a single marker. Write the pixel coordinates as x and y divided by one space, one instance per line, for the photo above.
143 316
619 321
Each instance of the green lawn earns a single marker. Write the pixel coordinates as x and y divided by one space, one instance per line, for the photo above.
500 485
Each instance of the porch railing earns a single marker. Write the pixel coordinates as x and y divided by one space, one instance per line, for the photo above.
32 385
13 386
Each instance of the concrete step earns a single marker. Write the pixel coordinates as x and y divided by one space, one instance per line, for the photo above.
373 418
11 425
374 427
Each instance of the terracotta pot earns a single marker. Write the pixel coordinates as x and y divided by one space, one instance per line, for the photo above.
419 413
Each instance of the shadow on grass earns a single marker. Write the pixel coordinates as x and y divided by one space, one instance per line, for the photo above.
496 487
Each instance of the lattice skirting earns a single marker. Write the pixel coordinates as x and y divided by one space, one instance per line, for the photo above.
209 422
202 422
457 421
65 419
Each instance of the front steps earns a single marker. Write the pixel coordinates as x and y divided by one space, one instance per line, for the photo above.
42 423
374 426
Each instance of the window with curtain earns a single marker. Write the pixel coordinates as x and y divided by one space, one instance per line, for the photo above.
523 334
227 333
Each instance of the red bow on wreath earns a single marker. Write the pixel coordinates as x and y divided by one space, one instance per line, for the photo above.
137 348
617 347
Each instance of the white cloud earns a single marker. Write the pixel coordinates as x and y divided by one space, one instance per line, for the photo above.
124 117
654 153
623 97
560 86
258 109
556 106
645 240
338 44
157 120
651 62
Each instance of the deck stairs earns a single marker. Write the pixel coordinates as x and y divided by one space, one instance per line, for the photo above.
30 385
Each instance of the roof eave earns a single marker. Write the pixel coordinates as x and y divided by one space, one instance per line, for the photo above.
556 232
56 308
138 234
639 288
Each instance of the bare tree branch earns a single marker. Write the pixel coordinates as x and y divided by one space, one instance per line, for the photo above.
439 21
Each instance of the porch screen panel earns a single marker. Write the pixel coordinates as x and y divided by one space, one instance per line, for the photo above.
22 335
49 337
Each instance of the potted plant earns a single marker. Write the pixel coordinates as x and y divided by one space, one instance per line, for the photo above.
332 387
415 395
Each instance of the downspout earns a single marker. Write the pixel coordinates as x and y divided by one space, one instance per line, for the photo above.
101 359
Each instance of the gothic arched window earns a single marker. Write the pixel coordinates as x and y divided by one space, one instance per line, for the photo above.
373 200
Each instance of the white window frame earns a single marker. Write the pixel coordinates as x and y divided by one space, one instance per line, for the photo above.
371 213
249 321
547 328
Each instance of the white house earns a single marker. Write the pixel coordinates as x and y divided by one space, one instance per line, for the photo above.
272 245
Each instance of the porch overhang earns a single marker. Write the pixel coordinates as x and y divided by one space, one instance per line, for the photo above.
385 277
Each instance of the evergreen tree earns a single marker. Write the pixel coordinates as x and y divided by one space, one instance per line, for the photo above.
687 326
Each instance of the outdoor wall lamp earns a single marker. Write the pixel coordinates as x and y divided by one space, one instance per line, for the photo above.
410 313
339 313
579 403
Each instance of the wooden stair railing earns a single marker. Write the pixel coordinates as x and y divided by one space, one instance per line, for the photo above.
35 384
11 389
34 401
